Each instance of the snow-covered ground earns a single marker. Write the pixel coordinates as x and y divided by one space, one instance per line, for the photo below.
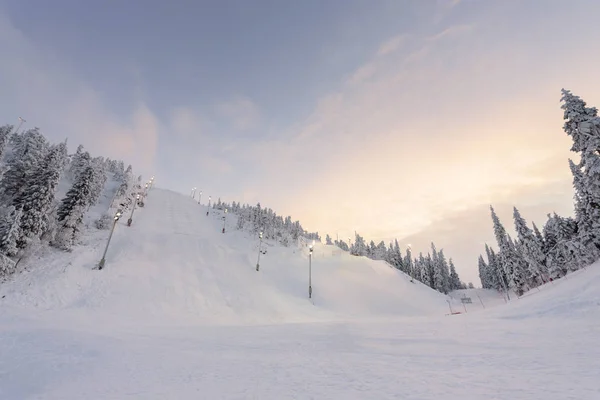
179 312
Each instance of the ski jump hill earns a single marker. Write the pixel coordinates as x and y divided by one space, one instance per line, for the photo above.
174 265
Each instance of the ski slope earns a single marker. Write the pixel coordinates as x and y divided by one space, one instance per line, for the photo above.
174 263
180 312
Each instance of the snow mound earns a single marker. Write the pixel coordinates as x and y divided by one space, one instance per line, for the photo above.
175 265
575 295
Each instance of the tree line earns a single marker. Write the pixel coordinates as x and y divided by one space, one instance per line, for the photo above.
564 244
31 215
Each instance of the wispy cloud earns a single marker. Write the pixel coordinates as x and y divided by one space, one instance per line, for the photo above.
450 31
392 45
241 112
49 94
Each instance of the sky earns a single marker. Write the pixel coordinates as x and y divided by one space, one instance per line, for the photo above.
395 119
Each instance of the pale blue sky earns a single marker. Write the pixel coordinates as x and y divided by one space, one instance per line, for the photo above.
388 117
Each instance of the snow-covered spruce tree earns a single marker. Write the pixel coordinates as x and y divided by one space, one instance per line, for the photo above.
582 124
398 259
29 151
484 275
439 267
408 263
359 247
455 283
72 209
430 271
37 198
328 240
576 255
80 161
370 250
496 274
10 230
5 132
98 180
579 119
508 258
380 251
532 251
557 256
445 272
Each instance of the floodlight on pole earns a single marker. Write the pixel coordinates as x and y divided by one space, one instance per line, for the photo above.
260 236
103 260
200 197
208 206
224 220
130 220
310 271
21 122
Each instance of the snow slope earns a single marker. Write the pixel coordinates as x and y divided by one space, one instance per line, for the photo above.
180 313
174 263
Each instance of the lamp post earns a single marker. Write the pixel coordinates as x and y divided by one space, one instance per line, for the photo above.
310 271
103 260
130 220
21 122
224 220
200 197
208 206
193 195
259 244
152 182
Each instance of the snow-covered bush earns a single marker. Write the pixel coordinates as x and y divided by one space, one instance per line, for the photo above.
103 222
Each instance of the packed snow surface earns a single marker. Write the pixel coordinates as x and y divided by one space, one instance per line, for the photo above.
180 312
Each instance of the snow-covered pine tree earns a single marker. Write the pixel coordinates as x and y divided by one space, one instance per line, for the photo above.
72 209
380 251
399 260
371 248
532 251
79 161
328 240
455 283
27 154
5 132
98 179
496 274
556 258
37 198
538 235
578 119
359 247
509 259
439 270
582 124
484 275
10 230
408 263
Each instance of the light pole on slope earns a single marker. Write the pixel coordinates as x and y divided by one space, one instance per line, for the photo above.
310 271
21 122
130 220
208 206
200 197
224 220
103 260
259 244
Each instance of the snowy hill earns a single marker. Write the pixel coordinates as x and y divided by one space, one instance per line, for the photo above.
180 312
174 264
